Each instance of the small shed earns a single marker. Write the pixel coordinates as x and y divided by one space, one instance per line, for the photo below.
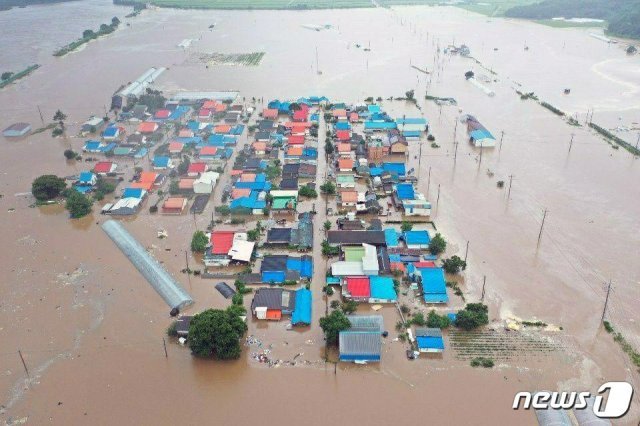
429 340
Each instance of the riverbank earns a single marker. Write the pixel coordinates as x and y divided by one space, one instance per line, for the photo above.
87 36
18 75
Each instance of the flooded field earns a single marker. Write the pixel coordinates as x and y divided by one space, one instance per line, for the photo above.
90 328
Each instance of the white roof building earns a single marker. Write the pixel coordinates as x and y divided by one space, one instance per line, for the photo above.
205 183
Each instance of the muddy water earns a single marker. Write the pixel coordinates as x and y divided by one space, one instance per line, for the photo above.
91 329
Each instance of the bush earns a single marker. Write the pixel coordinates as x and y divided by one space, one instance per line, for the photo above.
482 362
253 235
437 321
199 242
57 131
105 186
437 244
223 210
335 304
70 154
237 299
349 306
474 315
78 205
328 188
172 330
406 226
418 319
453 265
332 325
216 333
47 187
308 192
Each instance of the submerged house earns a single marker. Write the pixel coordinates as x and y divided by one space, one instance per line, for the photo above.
429 340
300 236
228 246
273 303
434 287
362 342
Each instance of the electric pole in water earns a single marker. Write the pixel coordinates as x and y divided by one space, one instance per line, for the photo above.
428 181
438 197
571 141
510 182
544 216
484 282
606 302
42 118
500 146
466 251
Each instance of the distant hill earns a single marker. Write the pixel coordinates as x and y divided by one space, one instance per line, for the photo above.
8 4
623 16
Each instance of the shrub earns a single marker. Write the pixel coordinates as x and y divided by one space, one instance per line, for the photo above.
472 316
453 265
199 242
47 187
437 244
78 205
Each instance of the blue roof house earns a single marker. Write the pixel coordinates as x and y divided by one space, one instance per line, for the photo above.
405 191
134 193
417 239
382 290
379 126
429 340
161 163
302 312
360 347
391 237
397 169
434 287
87 178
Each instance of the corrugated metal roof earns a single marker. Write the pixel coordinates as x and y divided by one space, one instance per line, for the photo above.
358 286
382 288
360 345
302 312
366 322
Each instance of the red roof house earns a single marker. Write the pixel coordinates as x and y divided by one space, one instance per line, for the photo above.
196 168
295 140
204 113
270 113
104 167
175 147
343 135
147 127
359 287
300 115
221 241
162 113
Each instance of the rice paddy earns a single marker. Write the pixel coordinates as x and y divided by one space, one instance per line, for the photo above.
500 345
229 59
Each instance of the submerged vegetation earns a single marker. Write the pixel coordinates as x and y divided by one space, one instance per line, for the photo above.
87 36
9 77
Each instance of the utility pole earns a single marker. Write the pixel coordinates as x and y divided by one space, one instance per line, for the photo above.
484 282
544 216
606 302
501 137
438 197
466 251
481 145
510 182
571 141
40 112
164 343
429 181
455 151
24 364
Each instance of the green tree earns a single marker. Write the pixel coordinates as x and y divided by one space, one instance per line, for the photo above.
328 188
272 172
406 226
78 204
437 321
349 306
216 333
418 319
88 34
453 265
183 167
6 75
253 234
115 21
437 244
199 242
332 325
328 147
327 225
70 154
472 316
47 187
60 117
308 192
223 210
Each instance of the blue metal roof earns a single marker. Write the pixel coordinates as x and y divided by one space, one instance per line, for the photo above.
391 237
375 171
343 125
254 186
394 168
191 140
275 104
405 191
179 112
133 193
302 312
193 125
382 288
92 146
360 345
237 129
417 237
481 134
310 153
86 177
248 203
161 162
411 133
394 257
428 342
373 108
303 265
83 189
141 153
273 276
379 125
110 132
416 120
433 285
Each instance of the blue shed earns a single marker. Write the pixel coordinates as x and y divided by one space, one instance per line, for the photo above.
343 125
434 287
429 340
405 191
397 169
417 239
302 312
161 162
273 277
391 237
382 290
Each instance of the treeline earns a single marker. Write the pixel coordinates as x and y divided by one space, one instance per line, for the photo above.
622 15
8 4
87 36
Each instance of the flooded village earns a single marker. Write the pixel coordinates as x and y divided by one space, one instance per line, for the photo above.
312 167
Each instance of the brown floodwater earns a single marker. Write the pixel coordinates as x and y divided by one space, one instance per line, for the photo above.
90 328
